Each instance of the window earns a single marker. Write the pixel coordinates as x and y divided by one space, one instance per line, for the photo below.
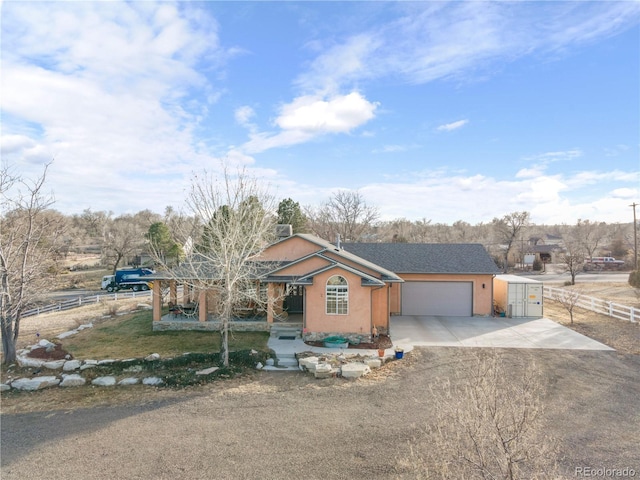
337 296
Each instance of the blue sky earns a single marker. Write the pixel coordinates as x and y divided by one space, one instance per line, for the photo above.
431 110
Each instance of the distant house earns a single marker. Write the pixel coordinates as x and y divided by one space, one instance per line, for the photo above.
355 290
546 248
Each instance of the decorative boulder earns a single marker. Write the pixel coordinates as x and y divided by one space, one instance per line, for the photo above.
54 364
373 362
309 363
35 383
71 365
323 370
129 381
355 370
72 380
104 381
67 334
30 362
207 371
152 381
153 356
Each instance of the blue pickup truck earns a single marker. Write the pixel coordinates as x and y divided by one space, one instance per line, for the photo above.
130 278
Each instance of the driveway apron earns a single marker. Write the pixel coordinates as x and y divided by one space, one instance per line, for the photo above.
497 332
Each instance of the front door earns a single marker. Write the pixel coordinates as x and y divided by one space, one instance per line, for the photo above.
294 300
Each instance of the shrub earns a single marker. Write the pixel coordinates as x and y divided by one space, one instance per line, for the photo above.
634 279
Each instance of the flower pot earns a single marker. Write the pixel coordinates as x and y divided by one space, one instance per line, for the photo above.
381 352
399 353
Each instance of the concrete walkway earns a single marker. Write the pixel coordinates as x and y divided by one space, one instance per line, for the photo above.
497 332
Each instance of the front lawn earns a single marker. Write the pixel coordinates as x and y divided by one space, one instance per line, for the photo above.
132 336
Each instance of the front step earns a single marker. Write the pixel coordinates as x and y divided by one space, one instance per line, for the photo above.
291 331
284 360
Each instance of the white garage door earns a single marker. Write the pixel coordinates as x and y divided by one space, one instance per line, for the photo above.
437 298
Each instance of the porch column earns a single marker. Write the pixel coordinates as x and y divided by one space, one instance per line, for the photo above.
157 300
173 292
270 301
202 305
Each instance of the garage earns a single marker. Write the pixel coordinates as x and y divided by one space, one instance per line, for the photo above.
437 298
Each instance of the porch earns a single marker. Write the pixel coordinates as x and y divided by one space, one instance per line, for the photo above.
258 323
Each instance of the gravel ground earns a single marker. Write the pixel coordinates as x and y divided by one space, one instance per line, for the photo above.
288 425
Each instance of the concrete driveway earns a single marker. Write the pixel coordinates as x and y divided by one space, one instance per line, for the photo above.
416 331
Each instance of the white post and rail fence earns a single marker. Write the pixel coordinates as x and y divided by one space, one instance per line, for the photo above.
82 301
611 309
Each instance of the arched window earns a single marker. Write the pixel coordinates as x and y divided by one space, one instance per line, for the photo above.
337 296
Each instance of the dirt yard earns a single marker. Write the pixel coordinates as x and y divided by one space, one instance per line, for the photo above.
621 335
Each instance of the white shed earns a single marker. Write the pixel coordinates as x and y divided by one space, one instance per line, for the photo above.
518 296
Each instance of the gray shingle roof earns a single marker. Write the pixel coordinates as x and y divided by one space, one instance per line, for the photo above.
470 258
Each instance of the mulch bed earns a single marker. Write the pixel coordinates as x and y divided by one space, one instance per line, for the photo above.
56 353
383 341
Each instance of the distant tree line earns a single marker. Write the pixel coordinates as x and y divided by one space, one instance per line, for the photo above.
129 239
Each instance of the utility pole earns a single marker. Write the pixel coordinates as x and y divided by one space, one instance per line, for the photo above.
635 237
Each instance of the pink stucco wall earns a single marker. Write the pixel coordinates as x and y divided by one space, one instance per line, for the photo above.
358 320
289 249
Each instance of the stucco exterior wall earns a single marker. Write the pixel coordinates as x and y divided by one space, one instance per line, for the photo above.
357 321
482 297
380 308
289 249
355 265
302 268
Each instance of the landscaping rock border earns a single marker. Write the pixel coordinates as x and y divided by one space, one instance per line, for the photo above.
70 372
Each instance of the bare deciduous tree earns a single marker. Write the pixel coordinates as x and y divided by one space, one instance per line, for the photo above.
568 299
237 214
124 237
590 235
574 251
507 229
488 425
345 214
28 246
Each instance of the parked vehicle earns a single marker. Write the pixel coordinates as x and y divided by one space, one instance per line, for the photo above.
131 278
602 263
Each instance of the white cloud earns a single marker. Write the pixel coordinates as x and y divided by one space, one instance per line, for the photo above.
392 149
461 40
448 127
310 116
110 89
444 197
244 114
338 114
15 143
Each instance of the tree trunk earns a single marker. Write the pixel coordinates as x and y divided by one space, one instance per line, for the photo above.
8 344
224 339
